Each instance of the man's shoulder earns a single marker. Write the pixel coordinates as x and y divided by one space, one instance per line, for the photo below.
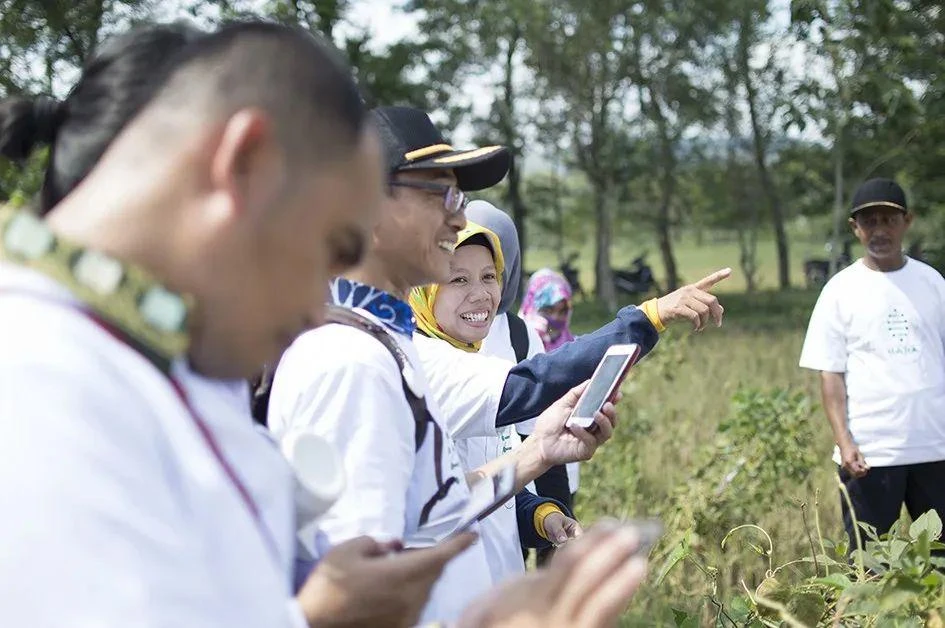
36 333
844 284
76 379
845 276
927 272
335 347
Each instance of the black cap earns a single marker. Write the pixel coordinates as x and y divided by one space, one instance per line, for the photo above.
879 193
411 142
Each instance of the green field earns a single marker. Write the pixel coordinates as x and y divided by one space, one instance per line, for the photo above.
693 260
663 457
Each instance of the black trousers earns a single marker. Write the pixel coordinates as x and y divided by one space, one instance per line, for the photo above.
879 495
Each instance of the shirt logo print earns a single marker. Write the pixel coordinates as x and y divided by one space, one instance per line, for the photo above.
900 332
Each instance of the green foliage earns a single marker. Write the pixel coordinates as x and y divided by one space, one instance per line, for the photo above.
19 185
764 446
895 580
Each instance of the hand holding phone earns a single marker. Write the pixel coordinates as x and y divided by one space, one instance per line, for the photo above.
604 384
485 496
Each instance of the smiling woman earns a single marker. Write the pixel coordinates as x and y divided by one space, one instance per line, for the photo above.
467 303
460 311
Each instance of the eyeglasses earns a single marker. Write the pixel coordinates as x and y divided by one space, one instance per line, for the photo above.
454 199
873 220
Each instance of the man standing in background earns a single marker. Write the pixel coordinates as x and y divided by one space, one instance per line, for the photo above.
877 336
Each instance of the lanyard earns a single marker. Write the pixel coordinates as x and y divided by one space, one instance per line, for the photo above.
202 427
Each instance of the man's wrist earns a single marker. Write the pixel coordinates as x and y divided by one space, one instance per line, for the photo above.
844 441
530 459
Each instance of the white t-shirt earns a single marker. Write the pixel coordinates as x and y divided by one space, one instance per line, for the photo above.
115 511
499 344
342 384
454 384
886 333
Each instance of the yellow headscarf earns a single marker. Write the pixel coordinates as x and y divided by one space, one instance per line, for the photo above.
422 299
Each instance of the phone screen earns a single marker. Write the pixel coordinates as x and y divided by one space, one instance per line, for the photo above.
597 392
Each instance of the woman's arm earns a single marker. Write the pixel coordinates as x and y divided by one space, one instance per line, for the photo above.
535 383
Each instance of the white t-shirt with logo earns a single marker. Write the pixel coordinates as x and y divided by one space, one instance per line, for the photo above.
499 344
342 384
115 511
886 333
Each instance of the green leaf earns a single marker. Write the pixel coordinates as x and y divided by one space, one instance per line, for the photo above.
862 590
870 560
921 547
684 620
835 580
681 552
899 592
929 522
841 549
896 548
938 562
870 531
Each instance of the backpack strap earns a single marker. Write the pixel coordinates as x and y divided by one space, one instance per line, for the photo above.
262 385
422 418
518 332
418 407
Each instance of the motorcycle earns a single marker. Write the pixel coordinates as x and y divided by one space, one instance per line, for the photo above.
637 280
817 271
570 273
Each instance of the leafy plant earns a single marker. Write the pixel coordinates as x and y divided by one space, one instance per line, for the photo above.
896 579
762 447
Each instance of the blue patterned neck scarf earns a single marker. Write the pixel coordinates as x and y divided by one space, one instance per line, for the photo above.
395 314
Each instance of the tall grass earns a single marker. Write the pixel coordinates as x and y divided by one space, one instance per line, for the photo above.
673 405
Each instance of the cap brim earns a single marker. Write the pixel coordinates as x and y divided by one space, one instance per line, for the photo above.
872 204
475 169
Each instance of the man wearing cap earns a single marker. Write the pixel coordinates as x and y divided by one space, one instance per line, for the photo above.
877 336
369 398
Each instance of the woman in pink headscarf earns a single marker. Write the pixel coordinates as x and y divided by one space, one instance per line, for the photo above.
547 307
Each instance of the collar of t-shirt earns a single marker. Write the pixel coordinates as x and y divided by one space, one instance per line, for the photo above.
395 314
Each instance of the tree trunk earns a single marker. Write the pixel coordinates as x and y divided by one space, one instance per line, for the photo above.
666 250
558 210
747 256
514 194
603 273
745 210
667 191
759 142
837 203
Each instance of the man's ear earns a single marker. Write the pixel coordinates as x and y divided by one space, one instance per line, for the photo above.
908 218
852 222
246 164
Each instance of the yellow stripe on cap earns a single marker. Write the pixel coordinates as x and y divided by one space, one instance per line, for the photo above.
429 150
878 203
472 154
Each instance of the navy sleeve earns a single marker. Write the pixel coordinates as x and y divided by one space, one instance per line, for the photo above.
526 503
534 384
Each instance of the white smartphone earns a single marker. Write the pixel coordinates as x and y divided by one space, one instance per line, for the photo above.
605 383
486 495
